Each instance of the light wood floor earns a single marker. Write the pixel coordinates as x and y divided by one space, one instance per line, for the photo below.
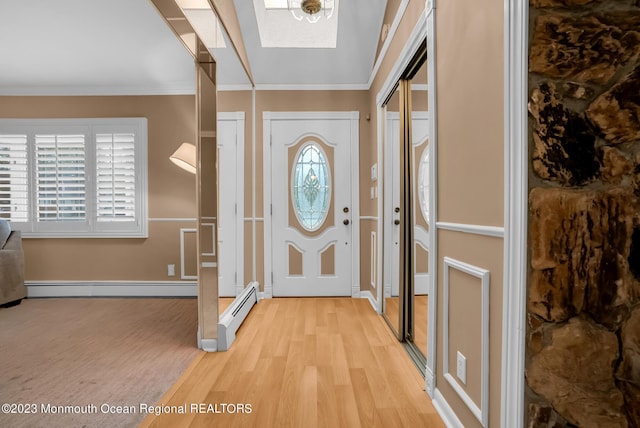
421 312
306 363
224 303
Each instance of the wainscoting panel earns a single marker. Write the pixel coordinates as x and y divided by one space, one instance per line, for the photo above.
480 410
188 254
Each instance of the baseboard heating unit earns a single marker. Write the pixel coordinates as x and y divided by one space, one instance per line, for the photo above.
235 314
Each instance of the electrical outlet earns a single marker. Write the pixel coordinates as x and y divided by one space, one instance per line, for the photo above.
461 370
171 270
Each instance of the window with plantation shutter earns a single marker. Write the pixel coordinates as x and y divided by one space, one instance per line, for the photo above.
60 176
14 204
74 177
116 177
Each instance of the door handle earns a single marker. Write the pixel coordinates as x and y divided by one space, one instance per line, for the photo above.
396 222
346 222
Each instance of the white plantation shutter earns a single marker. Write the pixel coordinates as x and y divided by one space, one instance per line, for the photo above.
116 177
14 202
61 177
74 177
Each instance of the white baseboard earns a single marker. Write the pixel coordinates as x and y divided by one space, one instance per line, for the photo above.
207 345
111 289
234 316
367 295
445 411
355 290
429 382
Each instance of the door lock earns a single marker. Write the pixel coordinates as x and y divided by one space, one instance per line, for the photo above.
345 209
397 209
346 222
396 222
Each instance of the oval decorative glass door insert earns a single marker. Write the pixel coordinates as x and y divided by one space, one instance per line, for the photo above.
311 186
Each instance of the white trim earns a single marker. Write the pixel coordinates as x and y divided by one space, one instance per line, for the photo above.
27 91
239 87
387 42
355 199
267 293
207 345
445 411
480 412
380 131
172 220
497 232
252 219
231 115
515 193
254 190
310 115
111 289
266 204
267 118
367 295
433 195
314 87
373 271
238 118
429 382
369 217
418 34
182 253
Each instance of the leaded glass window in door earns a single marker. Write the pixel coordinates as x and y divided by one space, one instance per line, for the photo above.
311 186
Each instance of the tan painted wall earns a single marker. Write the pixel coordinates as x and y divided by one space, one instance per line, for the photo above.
171 192
470 141
470 111
314 101
464 319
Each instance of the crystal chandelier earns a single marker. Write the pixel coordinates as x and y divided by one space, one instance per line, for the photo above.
312 10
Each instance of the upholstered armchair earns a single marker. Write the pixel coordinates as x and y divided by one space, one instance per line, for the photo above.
12 289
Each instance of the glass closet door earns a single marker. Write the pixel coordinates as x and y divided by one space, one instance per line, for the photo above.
406 208
419 297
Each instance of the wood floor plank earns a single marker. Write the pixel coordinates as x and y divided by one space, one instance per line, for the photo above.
309 363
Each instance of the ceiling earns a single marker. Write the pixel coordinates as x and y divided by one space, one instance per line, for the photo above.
97 47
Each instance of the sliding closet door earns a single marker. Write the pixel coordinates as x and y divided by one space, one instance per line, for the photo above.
406 209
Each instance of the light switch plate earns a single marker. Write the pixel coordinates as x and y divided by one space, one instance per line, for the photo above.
461 368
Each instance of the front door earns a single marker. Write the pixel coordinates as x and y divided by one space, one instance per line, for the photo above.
312 217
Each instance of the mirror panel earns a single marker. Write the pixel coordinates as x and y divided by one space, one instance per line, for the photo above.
391 213
420 199
207 182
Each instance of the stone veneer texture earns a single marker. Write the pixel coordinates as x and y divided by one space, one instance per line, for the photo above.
583 303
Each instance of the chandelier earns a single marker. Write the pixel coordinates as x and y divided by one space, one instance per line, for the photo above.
312 10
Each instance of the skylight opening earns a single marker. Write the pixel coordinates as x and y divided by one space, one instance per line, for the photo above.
281 24
204 21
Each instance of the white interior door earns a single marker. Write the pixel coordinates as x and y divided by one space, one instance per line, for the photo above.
312 217
420 133
392 206
230 212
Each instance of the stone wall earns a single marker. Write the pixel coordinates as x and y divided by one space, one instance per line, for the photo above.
583 336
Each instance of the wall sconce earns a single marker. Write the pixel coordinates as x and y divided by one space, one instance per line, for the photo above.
185 157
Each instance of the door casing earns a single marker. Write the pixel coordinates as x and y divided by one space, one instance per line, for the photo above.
353 117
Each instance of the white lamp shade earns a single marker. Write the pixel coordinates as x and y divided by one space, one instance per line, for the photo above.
185 157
